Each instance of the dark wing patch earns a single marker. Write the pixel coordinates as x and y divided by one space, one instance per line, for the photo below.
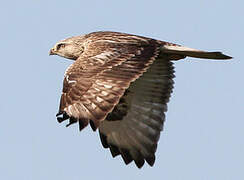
135 137
94 84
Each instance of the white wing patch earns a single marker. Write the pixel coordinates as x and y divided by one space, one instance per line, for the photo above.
140 38
107 86
104 93
106 40
93 106
99 99
104 84
103 57
69 81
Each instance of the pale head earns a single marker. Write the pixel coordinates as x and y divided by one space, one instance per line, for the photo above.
70 48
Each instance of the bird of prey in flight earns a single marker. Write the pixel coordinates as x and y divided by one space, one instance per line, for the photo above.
121 84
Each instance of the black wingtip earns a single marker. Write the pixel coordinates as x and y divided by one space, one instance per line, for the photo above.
63 117
114 150
93 126
126 156
81 125
150 160
139 162
71 121
103 139
60 113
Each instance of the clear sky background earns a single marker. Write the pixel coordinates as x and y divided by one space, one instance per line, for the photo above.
204 129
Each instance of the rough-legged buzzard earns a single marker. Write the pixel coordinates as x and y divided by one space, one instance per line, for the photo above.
121 83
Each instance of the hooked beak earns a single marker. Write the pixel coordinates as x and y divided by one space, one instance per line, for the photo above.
51 52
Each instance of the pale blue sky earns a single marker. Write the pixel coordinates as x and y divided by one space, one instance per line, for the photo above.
203 135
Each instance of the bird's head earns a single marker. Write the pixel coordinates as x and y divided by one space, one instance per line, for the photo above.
70 48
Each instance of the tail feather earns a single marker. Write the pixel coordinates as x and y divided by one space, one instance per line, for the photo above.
181 50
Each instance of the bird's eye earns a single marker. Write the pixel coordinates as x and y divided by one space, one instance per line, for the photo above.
61 45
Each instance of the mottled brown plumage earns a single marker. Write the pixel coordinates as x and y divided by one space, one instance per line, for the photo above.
121 83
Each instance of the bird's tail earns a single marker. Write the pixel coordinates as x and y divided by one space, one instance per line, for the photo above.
185 51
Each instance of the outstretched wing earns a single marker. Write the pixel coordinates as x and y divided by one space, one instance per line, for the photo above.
96 81
133 128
